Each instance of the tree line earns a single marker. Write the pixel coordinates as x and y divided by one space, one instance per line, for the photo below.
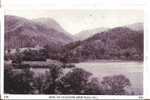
54 81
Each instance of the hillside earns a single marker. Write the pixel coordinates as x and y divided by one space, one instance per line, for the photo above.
136 26
119 43
88 33
21 32
51 23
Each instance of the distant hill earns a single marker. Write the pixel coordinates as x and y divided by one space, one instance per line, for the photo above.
136 26
119 43
51 23
21 32
88 33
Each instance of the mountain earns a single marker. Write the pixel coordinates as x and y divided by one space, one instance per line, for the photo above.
88 33
51 23
118 43
136 26
21 32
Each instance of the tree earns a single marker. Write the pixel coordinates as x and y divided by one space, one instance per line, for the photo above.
55 72
27 54
17 57
18 82
39 83
93 87
23 82
115 85
8 79
74 82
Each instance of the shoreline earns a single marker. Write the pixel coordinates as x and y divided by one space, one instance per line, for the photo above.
108 61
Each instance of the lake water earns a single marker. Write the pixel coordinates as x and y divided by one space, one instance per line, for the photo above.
132 70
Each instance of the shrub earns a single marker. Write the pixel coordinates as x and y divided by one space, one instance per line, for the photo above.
77 82
18 82
115 85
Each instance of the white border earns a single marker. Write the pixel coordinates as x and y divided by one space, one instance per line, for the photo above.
71 3
69 97
1 48
84 6
147 52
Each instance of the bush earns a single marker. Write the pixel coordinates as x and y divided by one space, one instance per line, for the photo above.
115 85
68 66
93 87
18 82
55 72
77 82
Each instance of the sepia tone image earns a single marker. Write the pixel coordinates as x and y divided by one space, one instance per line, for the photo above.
77 52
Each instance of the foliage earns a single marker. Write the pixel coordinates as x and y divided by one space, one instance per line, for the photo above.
17 58
8 80
55 72
116 44
115 85
94 87
35 55
76 81
18 82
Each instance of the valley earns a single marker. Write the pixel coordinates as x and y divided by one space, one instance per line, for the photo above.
43 58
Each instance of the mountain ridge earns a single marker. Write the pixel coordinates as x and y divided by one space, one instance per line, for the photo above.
82 35
22 32
116 43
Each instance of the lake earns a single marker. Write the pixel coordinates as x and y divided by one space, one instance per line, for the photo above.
132 70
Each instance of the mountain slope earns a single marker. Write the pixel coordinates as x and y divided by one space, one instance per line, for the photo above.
51 23
88 33
117 43
21 32
136 26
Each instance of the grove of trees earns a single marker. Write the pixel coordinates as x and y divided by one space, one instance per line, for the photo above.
115 44
54 81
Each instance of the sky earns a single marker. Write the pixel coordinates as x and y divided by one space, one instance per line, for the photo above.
74 21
